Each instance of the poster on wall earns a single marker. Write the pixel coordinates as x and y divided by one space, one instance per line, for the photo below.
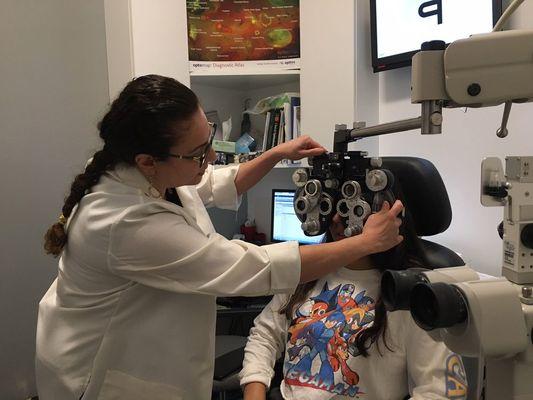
240 35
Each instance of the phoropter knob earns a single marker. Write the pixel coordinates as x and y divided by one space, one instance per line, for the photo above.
310 226
300 177
352 231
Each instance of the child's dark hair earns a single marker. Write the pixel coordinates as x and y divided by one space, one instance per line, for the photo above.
403 256
143 119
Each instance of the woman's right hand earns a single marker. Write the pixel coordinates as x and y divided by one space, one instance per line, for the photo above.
381 230
380 233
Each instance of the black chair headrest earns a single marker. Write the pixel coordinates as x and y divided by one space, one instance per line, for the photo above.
424 193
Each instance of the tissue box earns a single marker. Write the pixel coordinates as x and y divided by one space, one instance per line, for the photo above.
223 146
245 144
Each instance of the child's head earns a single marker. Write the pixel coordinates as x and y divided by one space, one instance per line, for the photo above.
403 256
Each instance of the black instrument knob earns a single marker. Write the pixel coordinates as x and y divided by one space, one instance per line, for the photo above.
433 45
500 230
527 236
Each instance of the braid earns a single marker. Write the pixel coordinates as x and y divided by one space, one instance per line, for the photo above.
144 119
56 236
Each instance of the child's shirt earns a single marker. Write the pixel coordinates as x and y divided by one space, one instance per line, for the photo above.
321 359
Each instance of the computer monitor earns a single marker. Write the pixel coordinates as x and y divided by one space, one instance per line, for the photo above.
285 225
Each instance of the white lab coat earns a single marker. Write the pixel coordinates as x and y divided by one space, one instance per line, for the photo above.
132 312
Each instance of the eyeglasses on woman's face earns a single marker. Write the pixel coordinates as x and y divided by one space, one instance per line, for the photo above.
200 159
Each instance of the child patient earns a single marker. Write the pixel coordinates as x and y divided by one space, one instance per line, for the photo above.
341 343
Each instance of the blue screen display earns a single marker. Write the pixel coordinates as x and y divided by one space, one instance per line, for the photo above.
285 223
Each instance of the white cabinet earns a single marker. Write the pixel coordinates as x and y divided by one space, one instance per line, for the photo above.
145 37
335 80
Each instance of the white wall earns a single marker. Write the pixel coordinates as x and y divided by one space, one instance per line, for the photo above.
227 102
457 153
53 85
337 85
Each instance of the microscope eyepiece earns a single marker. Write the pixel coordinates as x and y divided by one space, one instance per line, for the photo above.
396 287
437 305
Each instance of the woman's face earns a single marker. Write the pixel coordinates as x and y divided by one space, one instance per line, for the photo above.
193 142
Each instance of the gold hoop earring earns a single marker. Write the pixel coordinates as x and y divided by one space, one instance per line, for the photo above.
152 191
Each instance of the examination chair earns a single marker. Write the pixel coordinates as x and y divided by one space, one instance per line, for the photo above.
429 205
425 194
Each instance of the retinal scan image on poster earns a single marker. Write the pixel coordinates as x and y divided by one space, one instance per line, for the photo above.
240 30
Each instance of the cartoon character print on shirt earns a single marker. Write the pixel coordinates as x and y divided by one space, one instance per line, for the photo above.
322 339
358 315
456 386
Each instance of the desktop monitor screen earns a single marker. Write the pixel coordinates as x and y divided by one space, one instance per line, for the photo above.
285 225
399 27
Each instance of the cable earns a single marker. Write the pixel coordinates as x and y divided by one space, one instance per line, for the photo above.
507 14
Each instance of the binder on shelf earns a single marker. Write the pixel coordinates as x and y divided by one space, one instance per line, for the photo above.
288 109
270 140
281 133
275 127
287 114
267 129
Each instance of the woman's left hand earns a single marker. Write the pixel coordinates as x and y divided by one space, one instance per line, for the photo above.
299 148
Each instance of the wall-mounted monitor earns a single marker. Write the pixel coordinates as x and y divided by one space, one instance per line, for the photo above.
399 27
285 225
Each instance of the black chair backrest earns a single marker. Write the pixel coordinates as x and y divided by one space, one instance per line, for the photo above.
429 205
424 191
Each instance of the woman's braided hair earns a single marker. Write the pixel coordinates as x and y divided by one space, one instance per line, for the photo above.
142 120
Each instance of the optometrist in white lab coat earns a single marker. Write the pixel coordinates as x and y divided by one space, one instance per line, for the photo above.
132 312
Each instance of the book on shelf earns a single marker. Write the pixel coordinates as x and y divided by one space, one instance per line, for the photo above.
282 124
296 131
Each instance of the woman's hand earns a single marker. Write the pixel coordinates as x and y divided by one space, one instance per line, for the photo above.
381 229
253 171
299 148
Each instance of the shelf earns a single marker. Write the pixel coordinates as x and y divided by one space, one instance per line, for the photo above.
246 81
302 164
277 166
254 72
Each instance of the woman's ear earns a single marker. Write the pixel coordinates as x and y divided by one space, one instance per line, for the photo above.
146 164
